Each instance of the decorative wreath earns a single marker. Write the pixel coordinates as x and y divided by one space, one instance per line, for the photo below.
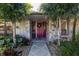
39 25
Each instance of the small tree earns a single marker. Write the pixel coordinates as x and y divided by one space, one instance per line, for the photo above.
16 12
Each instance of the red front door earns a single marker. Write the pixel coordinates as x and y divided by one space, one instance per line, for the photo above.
38 29
41 29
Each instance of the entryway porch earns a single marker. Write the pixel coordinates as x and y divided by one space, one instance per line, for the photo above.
38 27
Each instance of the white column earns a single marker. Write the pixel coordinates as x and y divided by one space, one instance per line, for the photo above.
60 25
59 32
36 28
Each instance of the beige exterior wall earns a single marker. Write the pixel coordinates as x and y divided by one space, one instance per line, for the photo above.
77 26
23 28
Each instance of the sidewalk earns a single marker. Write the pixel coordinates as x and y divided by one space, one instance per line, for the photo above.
39 49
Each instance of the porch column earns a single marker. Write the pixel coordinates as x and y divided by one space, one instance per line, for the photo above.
36 28
60 25
59 31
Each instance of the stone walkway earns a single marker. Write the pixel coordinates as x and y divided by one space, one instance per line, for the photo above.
39 48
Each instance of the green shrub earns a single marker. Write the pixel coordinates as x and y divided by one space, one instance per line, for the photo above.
2 48
77 36
19 39
2 37
69 48
7 40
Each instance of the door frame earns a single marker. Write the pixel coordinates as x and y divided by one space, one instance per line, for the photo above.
36 28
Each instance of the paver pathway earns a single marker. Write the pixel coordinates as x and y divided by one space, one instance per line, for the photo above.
39 48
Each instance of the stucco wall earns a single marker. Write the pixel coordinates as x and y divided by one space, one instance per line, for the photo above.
23 28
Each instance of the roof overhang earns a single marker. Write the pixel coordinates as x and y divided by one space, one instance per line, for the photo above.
38 17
